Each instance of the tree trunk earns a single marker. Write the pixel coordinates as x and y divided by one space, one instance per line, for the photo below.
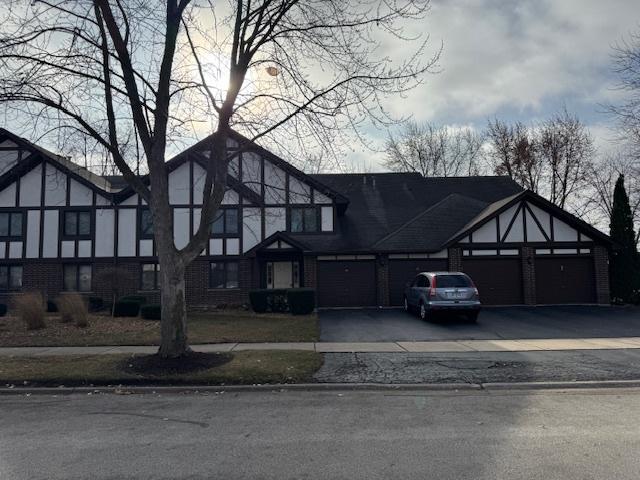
173 341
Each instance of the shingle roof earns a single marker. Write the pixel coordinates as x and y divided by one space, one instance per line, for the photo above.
404 211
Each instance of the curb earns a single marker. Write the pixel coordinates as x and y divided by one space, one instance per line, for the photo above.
324 387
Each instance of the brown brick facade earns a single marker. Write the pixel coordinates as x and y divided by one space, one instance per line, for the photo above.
310 272
382 279
601 270
455 259
528 275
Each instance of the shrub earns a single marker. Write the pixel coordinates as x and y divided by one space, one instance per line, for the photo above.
51 306
140 299
258 300
301 301
73 308
274 300
30 308
151 311
95 304
126 308
3 309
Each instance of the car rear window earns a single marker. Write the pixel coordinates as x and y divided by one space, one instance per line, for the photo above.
452 281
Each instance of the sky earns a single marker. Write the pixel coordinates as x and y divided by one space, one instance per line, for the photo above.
518 60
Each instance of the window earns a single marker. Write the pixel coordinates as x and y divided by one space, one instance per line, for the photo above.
77 278
224 275
453 281
304 219
225 222
77 224
421 281
11 224
146 223
150 276
10 277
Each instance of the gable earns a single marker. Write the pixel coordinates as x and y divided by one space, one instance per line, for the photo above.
528 221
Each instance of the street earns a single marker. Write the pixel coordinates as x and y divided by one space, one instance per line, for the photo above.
490 434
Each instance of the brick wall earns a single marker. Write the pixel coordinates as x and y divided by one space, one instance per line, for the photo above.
528 275
382 278
455 259
601 269
310 272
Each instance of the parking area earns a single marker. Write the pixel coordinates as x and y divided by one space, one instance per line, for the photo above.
392 325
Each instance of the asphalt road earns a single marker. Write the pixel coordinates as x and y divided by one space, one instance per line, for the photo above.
389 325
481 367
323 435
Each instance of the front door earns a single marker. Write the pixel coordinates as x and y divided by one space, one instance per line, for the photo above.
283 275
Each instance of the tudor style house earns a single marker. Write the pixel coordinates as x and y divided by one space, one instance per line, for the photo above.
355 238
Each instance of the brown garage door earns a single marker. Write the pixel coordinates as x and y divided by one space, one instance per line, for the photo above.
402 271
565 280
347 283
499 280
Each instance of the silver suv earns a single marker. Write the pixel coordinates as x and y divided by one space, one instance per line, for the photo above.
431 292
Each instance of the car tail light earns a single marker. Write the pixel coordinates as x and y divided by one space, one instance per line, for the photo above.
475 289
432 290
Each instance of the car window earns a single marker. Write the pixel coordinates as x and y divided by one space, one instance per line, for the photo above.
422 281
452 281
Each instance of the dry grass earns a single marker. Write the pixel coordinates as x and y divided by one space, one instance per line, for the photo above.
30 310
73 309
246 367
219 327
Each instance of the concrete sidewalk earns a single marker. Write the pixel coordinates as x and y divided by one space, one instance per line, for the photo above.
455 346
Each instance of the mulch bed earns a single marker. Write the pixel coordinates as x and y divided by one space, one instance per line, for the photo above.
157 366
13 331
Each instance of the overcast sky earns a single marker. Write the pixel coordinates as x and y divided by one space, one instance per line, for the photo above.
520 60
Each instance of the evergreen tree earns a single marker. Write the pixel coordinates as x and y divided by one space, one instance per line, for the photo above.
624 261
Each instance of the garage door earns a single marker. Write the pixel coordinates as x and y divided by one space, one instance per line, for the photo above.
499 280
565 280
347 283
402 271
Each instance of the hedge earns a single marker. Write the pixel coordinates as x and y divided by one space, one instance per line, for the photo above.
95 304
51 306
140 299
150 311
126 308
299 301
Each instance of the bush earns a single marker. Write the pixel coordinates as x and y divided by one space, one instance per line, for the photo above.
3 309
95 304
140 299
150 311
73 308
274 300
30 308
301 301
126 308
258 300
51 306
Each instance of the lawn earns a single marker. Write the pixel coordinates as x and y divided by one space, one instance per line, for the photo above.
246 367
218 327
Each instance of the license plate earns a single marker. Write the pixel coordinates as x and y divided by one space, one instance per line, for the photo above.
456 295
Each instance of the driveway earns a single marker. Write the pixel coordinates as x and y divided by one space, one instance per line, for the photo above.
389 325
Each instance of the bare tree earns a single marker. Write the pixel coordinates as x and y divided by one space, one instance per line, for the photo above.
566 151
434 151
512 151
626 64
552 159
597 197
134 76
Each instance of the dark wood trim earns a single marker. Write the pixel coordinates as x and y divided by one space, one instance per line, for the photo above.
511 222
535 219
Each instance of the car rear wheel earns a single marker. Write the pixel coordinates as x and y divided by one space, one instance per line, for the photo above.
424 315
473 317
407 308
